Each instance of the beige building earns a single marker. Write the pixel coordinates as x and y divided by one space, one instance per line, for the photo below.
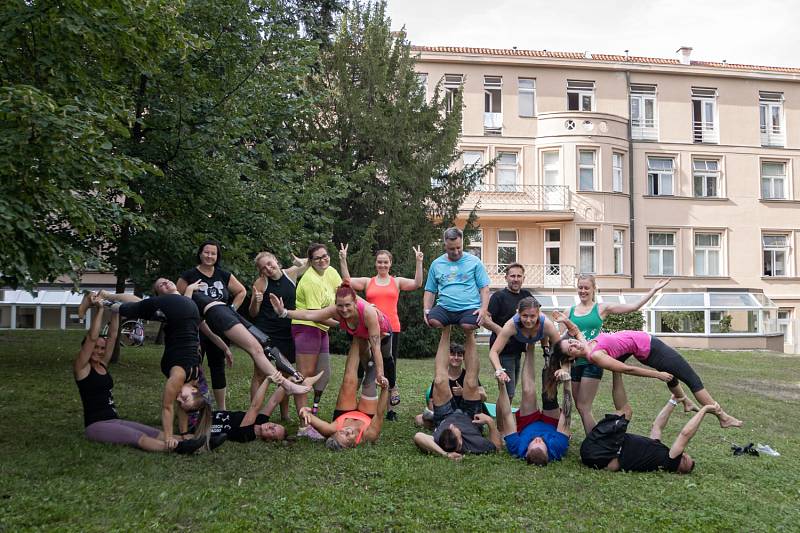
633 169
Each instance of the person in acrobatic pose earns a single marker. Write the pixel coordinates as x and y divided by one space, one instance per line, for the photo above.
95 387
609 446
537 436
458 430
610 350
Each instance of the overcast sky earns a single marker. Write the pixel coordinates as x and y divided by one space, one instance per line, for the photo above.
760 33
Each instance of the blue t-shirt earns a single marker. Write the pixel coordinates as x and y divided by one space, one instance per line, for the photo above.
557 443
457 282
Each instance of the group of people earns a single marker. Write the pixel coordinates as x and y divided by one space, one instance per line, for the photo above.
292 310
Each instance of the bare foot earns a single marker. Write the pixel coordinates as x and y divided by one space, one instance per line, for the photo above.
313 379
294 388
727 421
85 304
689 406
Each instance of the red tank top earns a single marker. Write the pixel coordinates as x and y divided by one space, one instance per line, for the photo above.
385 298
361 330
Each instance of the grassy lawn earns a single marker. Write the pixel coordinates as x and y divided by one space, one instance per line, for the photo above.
52 478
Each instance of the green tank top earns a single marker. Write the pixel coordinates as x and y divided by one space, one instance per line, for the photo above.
590 325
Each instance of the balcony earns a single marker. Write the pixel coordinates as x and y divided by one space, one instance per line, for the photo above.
546 276
773 137
705 132
549 202
644 129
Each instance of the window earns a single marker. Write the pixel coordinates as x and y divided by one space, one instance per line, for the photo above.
527 97
616 172
707 254
422 80
506 247
776 253
586 169
580 95
586 250
475 246
551 170
785 325
619 242
660 173
452 86
773 180
661 254
704 115
506 173
706 178
643 112
474 157
492 105
770 106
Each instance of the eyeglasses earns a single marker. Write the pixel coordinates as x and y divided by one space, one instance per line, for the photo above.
320 257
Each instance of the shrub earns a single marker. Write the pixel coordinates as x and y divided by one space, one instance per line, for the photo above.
632 321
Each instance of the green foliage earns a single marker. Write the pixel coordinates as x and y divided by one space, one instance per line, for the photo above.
628 321
725 323
683 321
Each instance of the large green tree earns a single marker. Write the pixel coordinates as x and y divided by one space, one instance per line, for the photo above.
396 149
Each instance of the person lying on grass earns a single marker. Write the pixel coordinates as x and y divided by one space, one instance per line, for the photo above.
610 350
458 430
537 436
246 426
455 374
609 446
355 420
95 386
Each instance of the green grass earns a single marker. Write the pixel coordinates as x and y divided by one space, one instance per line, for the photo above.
52 478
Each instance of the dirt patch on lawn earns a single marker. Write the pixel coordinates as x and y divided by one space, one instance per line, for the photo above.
771 389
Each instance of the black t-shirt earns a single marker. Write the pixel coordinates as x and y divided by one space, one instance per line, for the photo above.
230 422
642 454
96 397
201 300
502 306
216 285
267 320
180 330
472 439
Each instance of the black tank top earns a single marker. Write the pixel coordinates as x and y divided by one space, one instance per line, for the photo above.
269 322
216 285
97 398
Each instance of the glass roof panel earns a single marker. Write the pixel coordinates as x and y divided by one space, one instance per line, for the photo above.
545 299
565 301
732 299
680 299
611 298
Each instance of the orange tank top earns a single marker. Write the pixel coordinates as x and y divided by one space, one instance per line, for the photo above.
354 415
385 298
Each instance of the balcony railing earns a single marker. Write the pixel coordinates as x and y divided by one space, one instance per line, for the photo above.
645 129
705 132
527 197
772 137
550 276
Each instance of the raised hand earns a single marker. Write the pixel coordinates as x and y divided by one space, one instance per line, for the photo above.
277 304
418 252
343 251
296 261
660 284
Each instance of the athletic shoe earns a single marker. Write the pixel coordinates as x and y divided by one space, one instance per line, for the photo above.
310 433
394 396
391 416
188 446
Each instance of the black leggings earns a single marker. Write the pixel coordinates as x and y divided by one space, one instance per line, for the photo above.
216 361
389 359
665 359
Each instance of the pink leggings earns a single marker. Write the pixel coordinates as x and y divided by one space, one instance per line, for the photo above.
118 431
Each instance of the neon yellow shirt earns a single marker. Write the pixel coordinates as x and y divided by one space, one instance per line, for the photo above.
315 291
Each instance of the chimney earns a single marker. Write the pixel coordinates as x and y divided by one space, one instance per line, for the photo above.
685 54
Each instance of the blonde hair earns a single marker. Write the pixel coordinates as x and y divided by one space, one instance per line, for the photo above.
262 255
591 279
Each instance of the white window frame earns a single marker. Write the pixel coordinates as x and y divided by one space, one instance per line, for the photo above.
642 126
587 167
705 252
453 83
768 183
702 170
500 166
589 246
768 104
492 105
705 129
476 243
526 89
660 249
785 324
772 249
617 171
582 89
657 177
618 239
507 244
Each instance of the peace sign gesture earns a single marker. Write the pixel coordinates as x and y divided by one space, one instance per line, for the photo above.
418 253
343 251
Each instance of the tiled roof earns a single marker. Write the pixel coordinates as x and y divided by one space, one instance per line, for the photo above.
597 57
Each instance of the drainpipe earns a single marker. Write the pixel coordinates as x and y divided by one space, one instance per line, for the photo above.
632 218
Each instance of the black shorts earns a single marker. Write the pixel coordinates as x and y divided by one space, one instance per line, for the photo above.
189 362
468 407
221 318
604 442
451 318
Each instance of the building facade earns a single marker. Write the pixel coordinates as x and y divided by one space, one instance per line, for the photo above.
634 169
